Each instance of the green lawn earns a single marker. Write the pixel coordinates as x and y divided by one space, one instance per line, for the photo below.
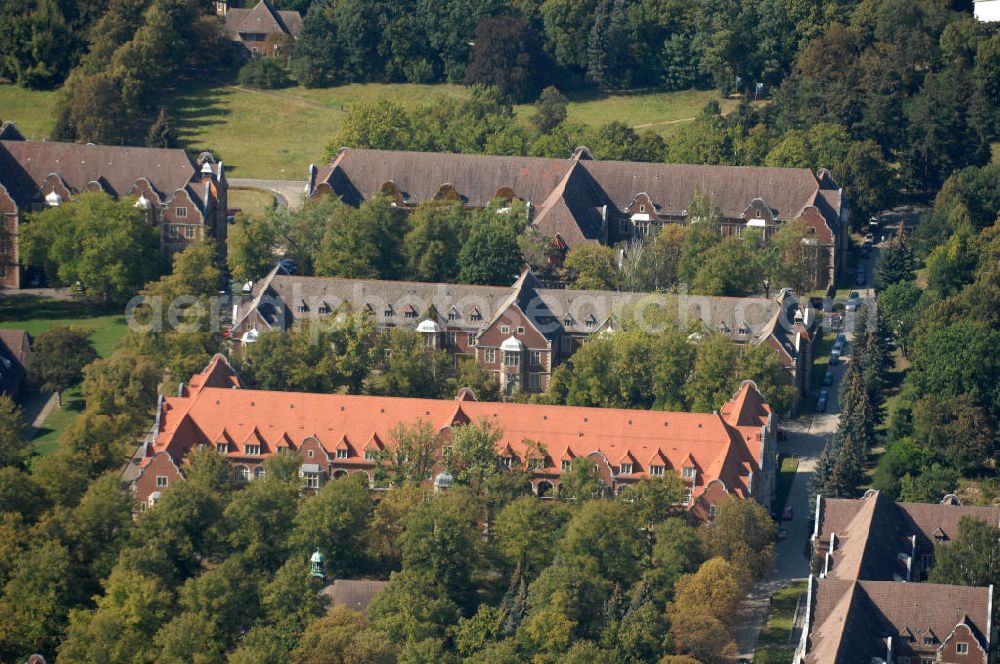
31 110
996 152
647 109
46 438
773 645
278 133
36 314
783 485
253 202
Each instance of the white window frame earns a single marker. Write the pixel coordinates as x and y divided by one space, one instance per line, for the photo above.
657 471
534 380
713 510
689 472
189 232
253 450
490 355
181 212
566 465
310 480
172 231
341 454
472 339
625 469
536 358
962 648
222 448
162 481
512 358
505 329
520 329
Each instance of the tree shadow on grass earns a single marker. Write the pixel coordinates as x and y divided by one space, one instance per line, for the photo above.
32 307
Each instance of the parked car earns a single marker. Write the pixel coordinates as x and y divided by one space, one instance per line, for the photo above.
841 339
828 378
821 402
787 514
834 357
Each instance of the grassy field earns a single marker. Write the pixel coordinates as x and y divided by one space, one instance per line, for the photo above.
773 645
657 111
31 110
253 202
36 315
278 133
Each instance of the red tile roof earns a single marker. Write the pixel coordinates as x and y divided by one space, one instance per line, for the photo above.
208 414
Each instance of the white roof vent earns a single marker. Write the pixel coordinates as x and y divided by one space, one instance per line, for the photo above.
143 202
511 345
53 199
428 327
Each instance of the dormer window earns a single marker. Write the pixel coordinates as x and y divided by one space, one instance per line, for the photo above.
535 464
476 316
508 462
928 640
369 455
566 465
453 314
625 469
723 328
591 321
689 472
253 450
409 314
341 454
657 471
222 448
744 329
324 308
302 308
567 320
387 313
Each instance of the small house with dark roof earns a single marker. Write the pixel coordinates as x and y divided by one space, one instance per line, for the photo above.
184 200
260 31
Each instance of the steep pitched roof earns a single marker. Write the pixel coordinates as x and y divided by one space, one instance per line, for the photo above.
356 594
25 165
871 531
851 619
705 438
263 18
574 196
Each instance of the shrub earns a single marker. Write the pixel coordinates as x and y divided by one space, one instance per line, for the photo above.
263 73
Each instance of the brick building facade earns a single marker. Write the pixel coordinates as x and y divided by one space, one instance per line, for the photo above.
523 332
185 201
586 200
732 452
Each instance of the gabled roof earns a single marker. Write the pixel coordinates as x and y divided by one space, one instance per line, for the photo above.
575 197
15 359
670 438
263 18
25 166
872 531
851 619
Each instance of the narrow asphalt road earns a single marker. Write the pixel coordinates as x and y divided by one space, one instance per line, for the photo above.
287 193
805 439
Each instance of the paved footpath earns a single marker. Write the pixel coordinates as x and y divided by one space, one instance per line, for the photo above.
287 193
